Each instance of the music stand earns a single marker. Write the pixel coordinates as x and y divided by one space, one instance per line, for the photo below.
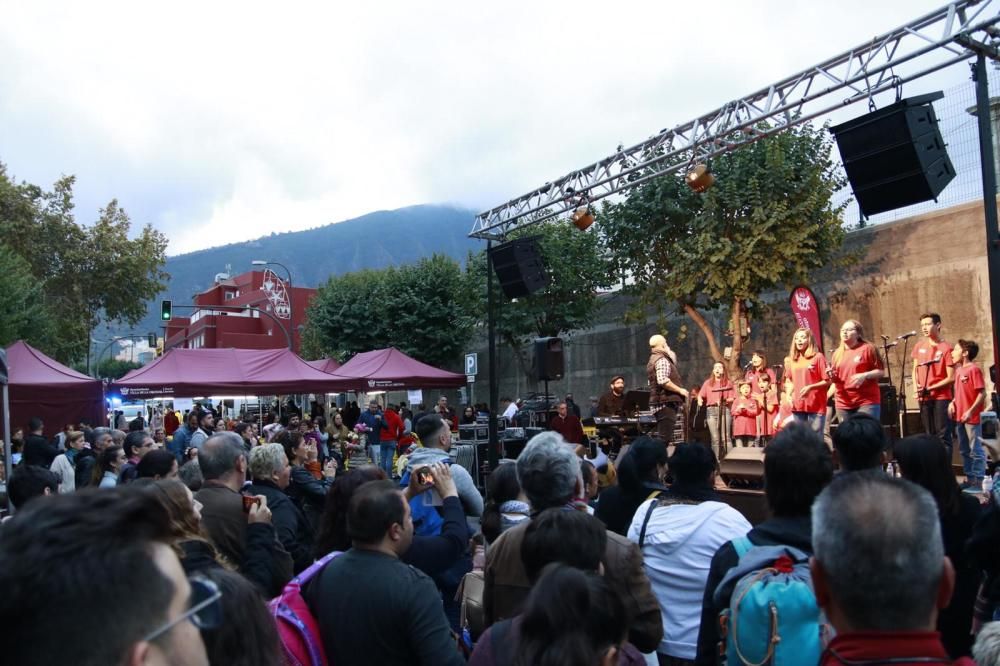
636 400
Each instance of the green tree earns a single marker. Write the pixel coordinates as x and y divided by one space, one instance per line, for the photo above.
421 309
766 222
87 274
577 271
23 312
112 368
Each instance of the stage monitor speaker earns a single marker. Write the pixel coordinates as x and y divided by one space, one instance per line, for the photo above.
519 267
895 156
744 465
549 361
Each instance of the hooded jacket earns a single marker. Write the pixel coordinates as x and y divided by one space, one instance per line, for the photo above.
472 499
679 544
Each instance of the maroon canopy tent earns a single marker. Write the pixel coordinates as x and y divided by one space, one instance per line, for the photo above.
392 369
43 387
325 364
187 373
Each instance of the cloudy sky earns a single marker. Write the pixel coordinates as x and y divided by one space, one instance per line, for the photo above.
218 122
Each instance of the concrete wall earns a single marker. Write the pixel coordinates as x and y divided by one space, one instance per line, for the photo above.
933 262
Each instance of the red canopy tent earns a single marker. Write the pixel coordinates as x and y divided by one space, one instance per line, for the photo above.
325 364
392 369
43 387
187 373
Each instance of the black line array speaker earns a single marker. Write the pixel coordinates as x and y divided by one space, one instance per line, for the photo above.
519 267
895 156
550 364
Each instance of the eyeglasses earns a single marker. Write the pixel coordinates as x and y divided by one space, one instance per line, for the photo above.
204 611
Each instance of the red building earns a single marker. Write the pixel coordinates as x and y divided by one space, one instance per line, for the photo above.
213 327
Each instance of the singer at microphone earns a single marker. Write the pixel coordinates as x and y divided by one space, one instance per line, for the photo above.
758 367
717 392
933 377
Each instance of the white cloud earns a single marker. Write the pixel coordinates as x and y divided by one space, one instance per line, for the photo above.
251 118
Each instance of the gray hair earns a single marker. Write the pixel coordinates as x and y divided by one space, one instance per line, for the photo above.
548 470
266 460
986 651
118 437
878 540
190 475
218 455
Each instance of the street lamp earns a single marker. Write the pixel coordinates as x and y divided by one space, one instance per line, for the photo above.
288 282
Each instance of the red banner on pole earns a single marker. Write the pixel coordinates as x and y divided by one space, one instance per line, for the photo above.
806 311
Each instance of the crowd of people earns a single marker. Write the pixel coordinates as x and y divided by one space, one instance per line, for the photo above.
181 539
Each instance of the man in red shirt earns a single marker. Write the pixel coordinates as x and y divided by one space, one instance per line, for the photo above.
970 394
879 571
568 425
933 377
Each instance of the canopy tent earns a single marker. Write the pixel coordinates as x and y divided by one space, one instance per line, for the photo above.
43 387
187 373
325 365
390 368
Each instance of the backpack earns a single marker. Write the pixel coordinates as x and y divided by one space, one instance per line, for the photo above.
426 519
770 616
298 630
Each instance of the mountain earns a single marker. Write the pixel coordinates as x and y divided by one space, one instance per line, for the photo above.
375 240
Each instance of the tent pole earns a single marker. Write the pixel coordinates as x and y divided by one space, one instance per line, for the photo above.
8 466
494 448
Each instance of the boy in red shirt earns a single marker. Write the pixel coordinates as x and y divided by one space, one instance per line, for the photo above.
933 377
970 394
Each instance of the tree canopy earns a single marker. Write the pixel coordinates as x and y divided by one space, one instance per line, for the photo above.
422 309
86 274
767 221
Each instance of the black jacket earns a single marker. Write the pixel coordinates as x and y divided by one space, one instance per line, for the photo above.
616 506
39 451
309 494
85 461
259 557
795 532
290 524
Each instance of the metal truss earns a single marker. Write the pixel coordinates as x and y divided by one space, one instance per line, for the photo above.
932 42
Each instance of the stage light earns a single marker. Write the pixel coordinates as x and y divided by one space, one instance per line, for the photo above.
700 178
583 217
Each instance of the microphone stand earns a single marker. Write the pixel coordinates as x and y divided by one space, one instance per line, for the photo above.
723 448
901 392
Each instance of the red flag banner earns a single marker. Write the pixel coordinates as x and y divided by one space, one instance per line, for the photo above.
806 311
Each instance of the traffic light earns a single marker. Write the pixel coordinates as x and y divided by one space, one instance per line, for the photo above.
166 310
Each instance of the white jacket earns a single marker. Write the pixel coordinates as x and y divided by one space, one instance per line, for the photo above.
677 552
66 473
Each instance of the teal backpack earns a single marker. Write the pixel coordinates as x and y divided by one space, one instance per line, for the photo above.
770 617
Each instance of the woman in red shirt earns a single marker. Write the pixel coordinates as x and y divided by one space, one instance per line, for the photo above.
718 393
855 371
745 410
807 369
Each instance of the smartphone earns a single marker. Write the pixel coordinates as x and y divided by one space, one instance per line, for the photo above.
249 501
424 476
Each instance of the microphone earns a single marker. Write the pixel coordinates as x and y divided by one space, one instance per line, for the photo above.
904 336
884 337
747 366
890 345
926 363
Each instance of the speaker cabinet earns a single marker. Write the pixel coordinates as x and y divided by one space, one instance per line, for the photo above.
743 466
519 267
550 364
895 156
